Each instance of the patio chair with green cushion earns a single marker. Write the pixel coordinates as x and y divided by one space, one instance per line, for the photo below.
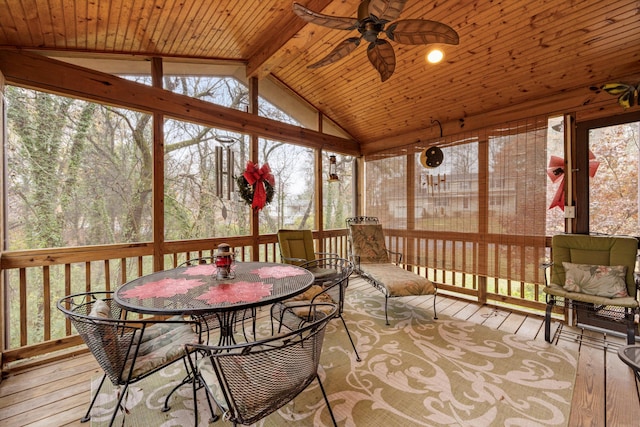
126 350
296 248
595 276
373 262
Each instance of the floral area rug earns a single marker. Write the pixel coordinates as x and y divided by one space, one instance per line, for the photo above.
416 372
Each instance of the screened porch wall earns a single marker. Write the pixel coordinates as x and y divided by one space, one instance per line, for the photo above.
477 223
458 251
467 256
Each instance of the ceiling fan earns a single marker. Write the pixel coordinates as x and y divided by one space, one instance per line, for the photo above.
373 16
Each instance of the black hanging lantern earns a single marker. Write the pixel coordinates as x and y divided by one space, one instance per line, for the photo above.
333 169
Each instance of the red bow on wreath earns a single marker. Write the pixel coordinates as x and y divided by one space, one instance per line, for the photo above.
555 171
256 177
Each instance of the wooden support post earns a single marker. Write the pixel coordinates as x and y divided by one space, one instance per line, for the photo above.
158 173
411 209
253 148
483 208
3 197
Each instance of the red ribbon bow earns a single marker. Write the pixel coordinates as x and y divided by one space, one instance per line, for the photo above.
257 177
555 171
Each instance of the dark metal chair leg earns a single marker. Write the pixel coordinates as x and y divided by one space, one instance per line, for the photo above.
326 399
435 315
631 333
386 316
350 339
87 416
547 319
122 393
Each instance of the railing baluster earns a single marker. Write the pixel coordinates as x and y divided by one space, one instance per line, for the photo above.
67 289
46 282
23 306
87 276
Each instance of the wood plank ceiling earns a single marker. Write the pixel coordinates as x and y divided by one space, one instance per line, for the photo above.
523 53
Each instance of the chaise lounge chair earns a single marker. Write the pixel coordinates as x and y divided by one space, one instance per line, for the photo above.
371 260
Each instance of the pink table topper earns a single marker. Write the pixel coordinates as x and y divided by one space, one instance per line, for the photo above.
236 292
168 287
200 270
278 272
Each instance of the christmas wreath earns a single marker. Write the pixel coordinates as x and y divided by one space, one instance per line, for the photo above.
255 185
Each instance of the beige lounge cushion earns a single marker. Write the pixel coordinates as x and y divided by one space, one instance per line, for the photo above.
601 280
368 243
303 300
162 348
100 309
398 281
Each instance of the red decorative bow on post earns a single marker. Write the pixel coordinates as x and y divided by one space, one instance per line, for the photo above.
555 171
257 177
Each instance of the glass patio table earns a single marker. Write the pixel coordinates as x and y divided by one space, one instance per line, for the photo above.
630 354
195 290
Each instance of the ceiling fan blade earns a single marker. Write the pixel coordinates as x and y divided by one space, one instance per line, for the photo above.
335 22
420 31
382 58
343 49
387 10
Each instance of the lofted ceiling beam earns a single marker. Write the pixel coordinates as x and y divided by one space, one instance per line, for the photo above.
269 54
39 72
583 101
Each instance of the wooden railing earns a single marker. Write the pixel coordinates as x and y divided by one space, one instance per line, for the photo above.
492 269
488 268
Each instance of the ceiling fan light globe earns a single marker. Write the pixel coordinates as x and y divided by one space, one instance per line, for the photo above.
434 56
370 36
370 30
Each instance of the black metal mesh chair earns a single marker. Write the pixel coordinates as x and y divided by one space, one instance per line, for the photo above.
329 287
249 381
126 350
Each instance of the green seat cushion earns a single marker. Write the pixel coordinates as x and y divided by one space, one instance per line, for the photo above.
296 244
559 291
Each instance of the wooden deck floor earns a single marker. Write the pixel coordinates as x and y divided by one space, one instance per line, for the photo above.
57 394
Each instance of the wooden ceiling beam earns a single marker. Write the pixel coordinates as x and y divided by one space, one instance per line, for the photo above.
261 60
578 100
42 73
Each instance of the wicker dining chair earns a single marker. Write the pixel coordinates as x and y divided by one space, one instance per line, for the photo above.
330 287
249 381
126 350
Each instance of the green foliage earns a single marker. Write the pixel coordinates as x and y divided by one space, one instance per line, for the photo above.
81 174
